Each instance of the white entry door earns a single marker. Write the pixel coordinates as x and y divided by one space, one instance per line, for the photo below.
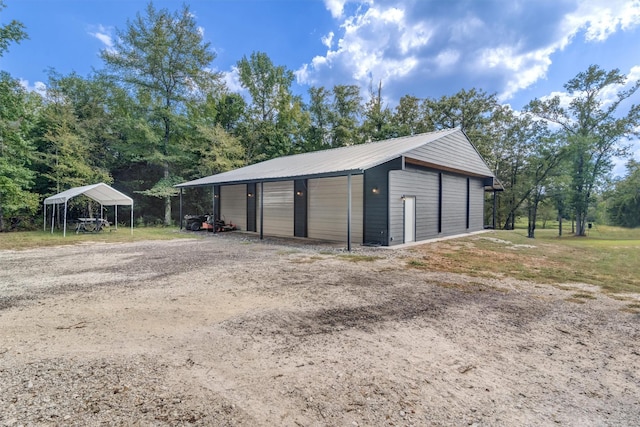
409 219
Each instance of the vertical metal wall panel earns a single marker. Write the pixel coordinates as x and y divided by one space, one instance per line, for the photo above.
252 198
454 204
278 208
476 215
233 204
376 202
300 206
424 186
327 214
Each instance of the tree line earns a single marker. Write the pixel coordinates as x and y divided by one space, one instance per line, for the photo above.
157 115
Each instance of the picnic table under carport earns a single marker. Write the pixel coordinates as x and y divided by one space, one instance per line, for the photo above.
101 193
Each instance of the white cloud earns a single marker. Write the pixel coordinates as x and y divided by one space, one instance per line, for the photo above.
447 58
232 81
328 40
367 49
335 7
104 34
38 87
601 18
503 47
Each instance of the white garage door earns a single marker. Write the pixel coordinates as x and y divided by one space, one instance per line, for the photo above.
278 208
327 213
233 204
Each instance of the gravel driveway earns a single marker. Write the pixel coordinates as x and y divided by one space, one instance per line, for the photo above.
226 330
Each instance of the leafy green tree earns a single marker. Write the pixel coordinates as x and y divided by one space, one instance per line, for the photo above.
594 129
11 32
407 117
16 152
321 116
377 124
163 59
472 111
623 207
66 151
347 112
266 133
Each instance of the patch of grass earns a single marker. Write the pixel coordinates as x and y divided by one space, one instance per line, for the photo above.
359 258
607 257
633 308
416 263
288 252
583 296
22 240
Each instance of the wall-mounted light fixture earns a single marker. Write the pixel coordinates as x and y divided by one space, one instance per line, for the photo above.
249 194
375 190
216 196
299 193
403 197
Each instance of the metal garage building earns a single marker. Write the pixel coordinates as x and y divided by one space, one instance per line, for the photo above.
387 192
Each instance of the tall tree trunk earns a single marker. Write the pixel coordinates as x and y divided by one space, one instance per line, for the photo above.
559 223
533 215
167 199
1 218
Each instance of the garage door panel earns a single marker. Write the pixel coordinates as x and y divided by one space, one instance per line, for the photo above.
233 204
278 208
327 213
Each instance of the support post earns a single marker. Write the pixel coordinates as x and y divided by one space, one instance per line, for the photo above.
349 212
116 217
213 207
64 221
495 208
44 218
53 212
181 209
261 210
132 218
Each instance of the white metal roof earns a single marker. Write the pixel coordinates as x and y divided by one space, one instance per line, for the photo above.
101 193
354 159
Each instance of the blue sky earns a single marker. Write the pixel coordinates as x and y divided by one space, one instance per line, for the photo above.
518 49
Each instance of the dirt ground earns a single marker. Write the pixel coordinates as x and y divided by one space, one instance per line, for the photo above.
228 331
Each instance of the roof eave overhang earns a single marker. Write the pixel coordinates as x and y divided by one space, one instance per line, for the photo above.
274 179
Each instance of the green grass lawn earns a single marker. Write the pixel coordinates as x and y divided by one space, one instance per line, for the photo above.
36 239
608 257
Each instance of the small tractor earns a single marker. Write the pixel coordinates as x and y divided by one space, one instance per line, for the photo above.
207 222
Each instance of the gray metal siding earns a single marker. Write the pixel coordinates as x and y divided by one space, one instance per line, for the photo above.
452 151
454 204
278 208
424 186
476 214
376 210
327 213
233 204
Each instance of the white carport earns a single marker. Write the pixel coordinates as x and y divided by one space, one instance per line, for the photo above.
101 193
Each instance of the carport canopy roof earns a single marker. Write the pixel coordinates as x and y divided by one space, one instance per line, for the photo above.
101 193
